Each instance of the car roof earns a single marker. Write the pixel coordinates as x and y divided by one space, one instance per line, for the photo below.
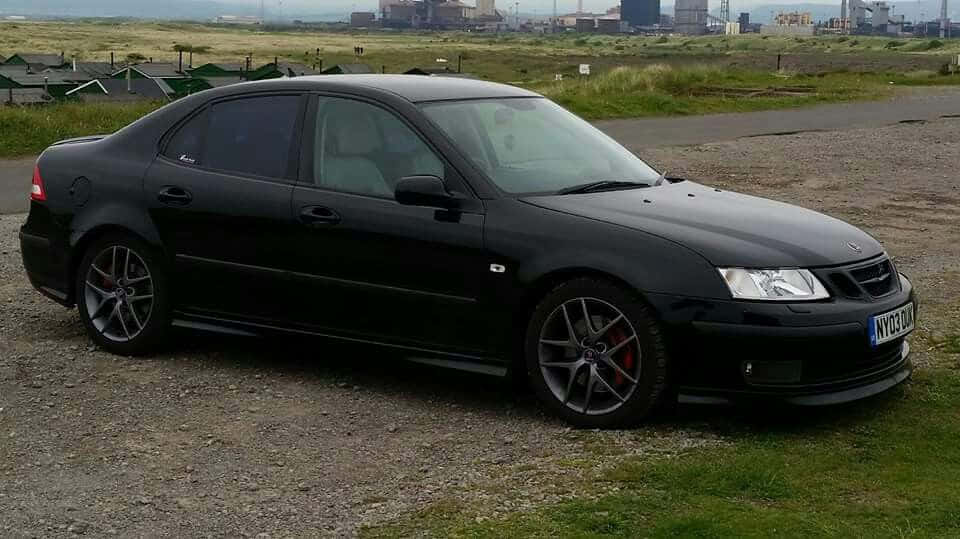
414 88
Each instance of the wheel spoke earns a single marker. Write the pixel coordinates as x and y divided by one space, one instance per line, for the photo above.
602 331
564 344
566 318
619 369
591 379
113 313
610 388
103 293
564 364
136 280
113 263
574 371
99 271
620 345
123 324
98 312
586 318
142 297
136 319
126 266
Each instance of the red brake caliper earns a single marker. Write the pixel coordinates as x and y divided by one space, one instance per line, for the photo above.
617 336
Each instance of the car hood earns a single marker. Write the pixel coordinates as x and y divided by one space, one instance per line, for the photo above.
727 228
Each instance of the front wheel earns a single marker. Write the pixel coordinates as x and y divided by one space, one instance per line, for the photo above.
595 354
122 295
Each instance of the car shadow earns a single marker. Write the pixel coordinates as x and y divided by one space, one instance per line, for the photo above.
388 373
361 367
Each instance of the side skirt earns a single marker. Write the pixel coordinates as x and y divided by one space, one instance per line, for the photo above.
450 360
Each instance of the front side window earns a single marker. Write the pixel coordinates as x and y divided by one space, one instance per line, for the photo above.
252 135
532 145
364 149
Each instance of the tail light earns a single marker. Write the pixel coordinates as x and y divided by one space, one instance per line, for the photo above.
36 191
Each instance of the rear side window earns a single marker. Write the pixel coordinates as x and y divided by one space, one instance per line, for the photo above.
252 135
186 145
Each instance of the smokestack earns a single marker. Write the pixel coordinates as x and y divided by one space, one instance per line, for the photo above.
579 6
843 15
944 22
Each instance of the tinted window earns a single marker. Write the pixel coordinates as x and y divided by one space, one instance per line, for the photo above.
187 143
364 149
252 135
533 145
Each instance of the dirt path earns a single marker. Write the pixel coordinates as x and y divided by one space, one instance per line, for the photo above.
234 437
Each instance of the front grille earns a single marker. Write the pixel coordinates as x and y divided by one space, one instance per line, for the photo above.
877 279
874 279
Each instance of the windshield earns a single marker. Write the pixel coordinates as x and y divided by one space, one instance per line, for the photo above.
532 145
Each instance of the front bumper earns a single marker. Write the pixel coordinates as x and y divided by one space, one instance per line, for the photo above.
812 353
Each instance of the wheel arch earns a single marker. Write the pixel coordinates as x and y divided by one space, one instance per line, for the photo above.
80 241
543 285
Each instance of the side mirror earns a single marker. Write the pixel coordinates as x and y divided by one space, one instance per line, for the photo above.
426 191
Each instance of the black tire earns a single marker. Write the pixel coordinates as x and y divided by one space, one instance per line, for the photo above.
108 328
634 401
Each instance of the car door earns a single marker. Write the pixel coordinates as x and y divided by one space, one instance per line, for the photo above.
377 269
220 197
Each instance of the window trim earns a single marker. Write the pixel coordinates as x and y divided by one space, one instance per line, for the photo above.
453 180
291 174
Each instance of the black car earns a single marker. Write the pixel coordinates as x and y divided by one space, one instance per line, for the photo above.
466 224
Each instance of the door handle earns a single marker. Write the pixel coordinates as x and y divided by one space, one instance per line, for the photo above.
318 215
174 195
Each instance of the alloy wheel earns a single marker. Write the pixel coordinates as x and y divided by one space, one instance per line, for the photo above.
118 293
589 356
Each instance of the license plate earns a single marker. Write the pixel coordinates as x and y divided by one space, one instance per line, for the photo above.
890 325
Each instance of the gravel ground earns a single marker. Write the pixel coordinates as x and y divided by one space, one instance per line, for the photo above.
236 437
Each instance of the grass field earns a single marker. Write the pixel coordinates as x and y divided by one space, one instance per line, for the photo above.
632 76
887 467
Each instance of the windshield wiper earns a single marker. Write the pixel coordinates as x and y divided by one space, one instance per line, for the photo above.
661 179
602 185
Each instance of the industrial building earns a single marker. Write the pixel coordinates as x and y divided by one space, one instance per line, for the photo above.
793 23
690 17
638 13
439 14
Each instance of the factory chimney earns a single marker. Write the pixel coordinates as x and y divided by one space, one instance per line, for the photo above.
944 22
843 16
579 6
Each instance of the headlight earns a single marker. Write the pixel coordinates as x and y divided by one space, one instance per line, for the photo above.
773 284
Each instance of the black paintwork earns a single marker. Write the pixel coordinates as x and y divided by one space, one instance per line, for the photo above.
254 255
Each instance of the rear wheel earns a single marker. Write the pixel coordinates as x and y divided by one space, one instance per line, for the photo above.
122 295
595 354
